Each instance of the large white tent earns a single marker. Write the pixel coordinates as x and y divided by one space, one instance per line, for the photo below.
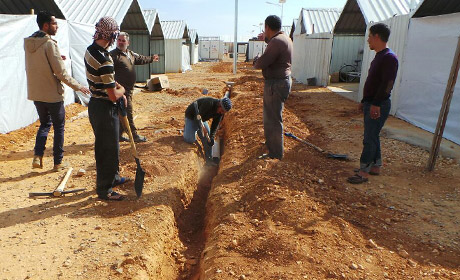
16 110
431 43
313 45
177 46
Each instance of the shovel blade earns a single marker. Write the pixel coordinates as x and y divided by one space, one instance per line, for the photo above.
139 181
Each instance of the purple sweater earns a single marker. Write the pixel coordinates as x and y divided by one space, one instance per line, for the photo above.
275 62
381 77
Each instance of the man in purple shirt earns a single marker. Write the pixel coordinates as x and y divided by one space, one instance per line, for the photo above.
275 63
376 102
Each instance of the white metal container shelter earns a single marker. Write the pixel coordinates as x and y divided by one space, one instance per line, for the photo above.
157 40
194 45
313 45
177 49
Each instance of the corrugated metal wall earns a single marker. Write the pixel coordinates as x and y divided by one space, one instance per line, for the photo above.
399 27
173 53
158 47
311 60
345 50
140 43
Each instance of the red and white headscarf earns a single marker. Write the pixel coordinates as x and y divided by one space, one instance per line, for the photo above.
107 29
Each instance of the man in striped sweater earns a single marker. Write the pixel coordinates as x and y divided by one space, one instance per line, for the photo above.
102 108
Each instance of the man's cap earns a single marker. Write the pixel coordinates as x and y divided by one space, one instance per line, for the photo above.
226 104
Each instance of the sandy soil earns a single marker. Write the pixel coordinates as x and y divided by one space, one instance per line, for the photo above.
263 219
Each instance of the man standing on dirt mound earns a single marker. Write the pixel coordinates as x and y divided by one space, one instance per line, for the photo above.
125 74
196 116
103 109
275 63
46 72
376 101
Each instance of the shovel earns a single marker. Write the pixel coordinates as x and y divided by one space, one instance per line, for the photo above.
140 172
329 155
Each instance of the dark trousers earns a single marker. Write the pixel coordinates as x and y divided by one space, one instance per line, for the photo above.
50 113
276 91
129 111
103 116
371 155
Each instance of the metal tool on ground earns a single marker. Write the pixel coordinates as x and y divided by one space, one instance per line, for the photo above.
329 155
140 172
59 191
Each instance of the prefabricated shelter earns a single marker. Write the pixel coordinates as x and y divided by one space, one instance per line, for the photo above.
157 40
430 48
313 45
210 48
256 48
177 46
194 44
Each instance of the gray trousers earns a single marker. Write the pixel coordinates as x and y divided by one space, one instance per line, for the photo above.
276 91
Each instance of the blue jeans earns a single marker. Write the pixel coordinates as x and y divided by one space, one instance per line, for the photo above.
190 130
50 113
103 116
276 91
371 155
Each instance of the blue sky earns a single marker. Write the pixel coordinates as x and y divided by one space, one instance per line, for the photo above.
216 17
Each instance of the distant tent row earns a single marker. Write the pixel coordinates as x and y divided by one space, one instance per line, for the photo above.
424 36
76 21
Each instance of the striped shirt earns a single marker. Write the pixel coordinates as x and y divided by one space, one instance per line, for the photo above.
99 71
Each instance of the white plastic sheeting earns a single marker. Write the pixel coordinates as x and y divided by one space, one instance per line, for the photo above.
194 54
430 50
399 27
312 54
16 110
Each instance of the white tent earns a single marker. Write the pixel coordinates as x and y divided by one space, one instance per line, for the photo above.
177 48
16 110
313 45
431 44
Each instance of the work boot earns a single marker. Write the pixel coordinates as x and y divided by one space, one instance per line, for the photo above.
123 139
138 138
60 167
37 162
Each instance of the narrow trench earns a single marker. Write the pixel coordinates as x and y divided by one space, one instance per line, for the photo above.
191 224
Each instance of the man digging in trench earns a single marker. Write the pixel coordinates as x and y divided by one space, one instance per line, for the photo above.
200 111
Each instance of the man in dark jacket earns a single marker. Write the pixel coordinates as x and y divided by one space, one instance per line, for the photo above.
376 103
275 63
197 114
125 74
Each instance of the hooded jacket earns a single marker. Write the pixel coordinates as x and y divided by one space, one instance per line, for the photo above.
45 69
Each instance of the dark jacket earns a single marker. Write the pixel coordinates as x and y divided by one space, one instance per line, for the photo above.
207 109
125 74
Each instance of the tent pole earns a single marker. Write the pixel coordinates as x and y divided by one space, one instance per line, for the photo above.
437 138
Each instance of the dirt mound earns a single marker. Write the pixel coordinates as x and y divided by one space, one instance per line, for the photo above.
222 67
